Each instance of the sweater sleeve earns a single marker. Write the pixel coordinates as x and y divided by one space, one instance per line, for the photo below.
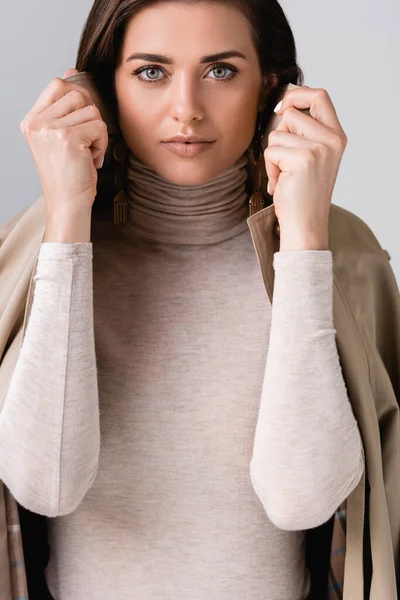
49 425
308 454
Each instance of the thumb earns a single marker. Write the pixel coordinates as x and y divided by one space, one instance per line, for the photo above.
70 72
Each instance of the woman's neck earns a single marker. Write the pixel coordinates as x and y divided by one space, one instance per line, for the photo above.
161 211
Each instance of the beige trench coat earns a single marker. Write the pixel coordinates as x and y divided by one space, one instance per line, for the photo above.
366 313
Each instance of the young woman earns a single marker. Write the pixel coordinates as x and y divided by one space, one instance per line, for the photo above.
172 459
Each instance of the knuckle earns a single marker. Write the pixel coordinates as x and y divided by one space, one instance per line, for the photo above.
272 138
56 83
307 157
320 149
27 126
321 92
338 142
289 113
94 111
78 96
85 94
267 154
290 93
290 110
62 134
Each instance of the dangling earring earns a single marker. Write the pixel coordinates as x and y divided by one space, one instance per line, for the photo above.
257 200
120 154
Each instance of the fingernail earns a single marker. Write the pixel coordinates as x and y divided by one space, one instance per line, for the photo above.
278 106
268 188
102 161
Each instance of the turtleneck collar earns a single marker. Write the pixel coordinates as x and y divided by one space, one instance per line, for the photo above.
161 211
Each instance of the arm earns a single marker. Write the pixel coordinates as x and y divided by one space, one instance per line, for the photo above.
307 454
49 425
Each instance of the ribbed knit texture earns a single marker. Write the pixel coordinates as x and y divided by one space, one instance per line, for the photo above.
179 431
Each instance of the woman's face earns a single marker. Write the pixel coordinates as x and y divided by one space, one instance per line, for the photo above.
214 98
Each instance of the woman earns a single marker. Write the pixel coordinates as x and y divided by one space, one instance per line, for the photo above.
213 463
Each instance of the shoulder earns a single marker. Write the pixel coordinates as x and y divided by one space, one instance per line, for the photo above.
360 263
349 233
363 271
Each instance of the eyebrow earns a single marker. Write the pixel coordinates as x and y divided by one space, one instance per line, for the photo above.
167 60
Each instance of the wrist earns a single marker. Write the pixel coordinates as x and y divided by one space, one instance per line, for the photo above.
68 228
303 242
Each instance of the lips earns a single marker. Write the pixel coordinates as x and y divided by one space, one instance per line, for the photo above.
187 149
188 139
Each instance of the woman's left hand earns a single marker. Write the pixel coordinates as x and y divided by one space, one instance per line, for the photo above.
302 162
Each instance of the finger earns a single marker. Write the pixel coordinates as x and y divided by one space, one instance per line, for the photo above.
77 117
280 159
317 100
94 136
87 114
69 104
56 89
297 122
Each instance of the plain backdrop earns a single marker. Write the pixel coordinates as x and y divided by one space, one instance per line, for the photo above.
350 48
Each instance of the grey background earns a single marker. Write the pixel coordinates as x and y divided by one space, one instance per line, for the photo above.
351 48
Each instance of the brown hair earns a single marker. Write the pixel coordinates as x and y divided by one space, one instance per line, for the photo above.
101 41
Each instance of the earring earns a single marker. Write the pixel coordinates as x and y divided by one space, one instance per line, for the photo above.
257 200
120 154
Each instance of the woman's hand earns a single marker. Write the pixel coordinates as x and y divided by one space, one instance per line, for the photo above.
302 162
67 138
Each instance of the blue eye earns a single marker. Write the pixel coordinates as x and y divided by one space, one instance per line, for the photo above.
233 71
219 66
143 69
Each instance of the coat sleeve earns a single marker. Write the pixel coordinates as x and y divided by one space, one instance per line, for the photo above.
372 295
7 226
384 358
387 317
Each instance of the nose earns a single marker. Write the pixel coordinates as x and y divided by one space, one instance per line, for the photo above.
185 99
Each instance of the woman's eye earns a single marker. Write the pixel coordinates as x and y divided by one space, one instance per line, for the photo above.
150 78
144 69
220 68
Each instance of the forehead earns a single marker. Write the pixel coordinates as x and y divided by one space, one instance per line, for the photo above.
192 29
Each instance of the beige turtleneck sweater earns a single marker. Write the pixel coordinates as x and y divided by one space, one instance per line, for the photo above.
174 461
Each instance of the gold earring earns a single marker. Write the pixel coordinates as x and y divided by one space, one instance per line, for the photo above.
120 154
257 200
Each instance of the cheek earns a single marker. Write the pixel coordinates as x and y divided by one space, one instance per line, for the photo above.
239 118
135 110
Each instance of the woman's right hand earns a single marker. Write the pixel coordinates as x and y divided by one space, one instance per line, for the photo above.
67 138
